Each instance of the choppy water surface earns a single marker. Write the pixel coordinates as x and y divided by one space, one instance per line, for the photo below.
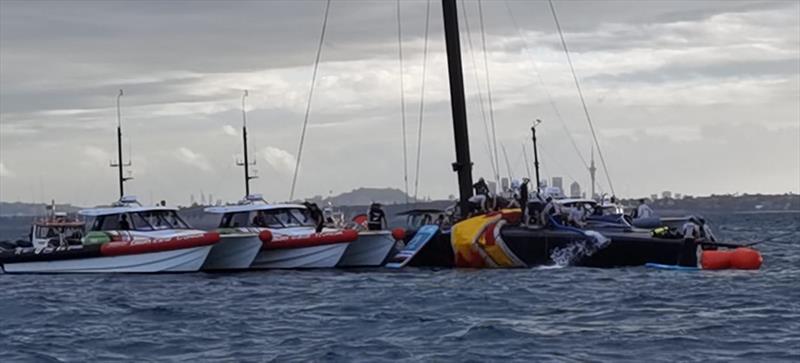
566 314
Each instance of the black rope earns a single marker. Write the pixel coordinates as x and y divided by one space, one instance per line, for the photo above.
310 96
402 100
580 94
422 97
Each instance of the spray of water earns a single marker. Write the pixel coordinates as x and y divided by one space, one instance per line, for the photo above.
579 249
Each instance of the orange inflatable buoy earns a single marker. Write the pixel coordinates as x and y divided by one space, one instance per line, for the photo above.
746 259
715 260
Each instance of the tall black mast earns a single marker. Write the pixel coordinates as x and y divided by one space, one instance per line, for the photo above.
463 164
536 156
120 165
246 163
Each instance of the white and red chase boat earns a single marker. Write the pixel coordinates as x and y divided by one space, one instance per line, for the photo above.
371 248
286 232
125 237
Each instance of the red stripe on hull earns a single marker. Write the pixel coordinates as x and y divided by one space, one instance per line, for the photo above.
120 248
277 242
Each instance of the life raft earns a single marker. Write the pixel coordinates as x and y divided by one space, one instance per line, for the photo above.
272 241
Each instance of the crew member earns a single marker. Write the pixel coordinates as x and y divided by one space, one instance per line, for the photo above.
550 209
481 194
576 216
376 218
123 223
316 215
644 210
523 200
691 232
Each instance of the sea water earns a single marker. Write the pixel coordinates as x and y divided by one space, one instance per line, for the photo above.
542 314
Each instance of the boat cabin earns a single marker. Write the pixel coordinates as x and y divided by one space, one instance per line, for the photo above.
56 230
256 213
129 215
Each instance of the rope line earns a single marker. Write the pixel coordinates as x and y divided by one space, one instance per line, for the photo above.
402 100
310 97
489 91
478 86
422 98
545 89
580 94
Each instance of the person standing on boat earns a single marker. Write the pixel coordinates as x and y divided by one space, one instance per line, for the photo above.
316 215
481 194
691 233
644 210
551 209
523 199
376 218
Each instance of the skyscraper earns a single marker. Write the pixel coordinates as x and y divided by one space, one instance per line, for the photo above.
558 182
574 190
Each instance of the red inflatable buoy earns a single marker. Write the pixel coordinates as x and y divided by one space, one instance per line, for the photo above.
399 234
746 259
715 260
265 236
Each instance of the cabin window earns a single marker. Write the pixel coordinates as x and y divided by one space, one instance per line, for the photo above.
163 219
235 220
302 216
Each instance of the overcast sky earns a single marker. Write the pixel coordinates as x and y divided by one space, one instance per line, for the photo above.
697 97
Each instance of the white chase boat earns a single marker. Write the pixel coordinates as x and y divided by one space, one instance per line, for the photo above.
125 237
286 232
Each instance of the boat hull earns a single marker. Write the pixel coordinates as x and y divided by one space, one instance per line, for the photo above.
369 250
539 247
320 256
180 260
233 252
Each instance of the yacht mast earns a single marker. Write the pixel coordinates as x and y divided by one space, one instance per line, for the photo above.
463 165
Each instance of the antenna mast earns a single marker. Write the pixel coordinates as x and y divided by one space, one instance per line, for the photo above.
246 164
120 165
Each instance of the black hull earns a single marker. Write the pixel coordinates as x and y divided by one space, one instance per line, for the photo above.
50 254
536 247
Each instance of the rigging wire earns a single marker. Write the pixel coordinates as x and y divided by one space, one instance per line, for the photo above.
310 96
580 94
508 164
527 163
544 87
478 86
422 97
489 90
402 100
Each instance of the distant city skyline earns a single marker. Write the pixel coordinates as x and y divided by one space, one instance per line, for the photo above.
698 97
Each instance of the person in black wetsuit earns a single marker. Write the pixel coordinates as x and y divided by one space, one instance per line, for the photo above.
316 215
523 200
376 218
